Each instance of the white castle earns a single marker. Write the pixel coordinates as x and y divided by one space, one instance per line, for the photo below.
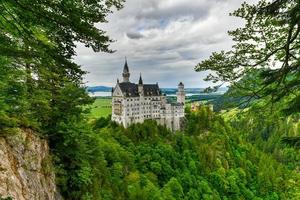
134 103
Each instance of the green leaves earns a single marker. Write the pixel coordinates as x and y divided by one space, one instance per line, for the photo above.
214 161
41 85
269 42
38 40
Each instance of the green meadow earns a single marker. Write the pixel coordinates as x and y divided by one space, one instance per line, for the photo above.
101 108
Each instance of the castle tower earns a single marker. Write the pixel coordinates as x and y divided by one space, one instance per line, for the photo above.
141 86
180 93
126 73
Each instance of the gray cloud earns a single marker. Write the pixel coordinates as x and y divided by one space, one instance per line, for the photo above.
162 39
134 35
166 11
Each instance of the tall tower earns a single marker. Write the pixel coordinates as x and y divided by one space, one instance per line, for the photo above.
180 93
126 73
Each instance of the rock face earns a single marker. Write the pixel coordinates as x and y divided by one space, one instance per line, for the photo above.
26 172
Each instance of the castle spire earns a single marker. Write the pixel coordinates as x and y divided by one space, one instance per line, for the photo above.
125 70
140 80
141 86
126 73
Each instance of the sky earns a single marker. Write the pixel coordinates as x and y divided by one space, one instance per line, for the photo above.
163 40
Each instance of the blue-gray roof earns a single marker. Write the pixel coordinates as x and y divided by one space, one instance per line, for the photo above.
131 89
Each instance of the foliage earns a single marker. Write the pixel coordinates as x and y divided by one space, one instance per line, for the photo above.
12 104
7 198
30 28
37 42
269 41
214 161
270 131
41 87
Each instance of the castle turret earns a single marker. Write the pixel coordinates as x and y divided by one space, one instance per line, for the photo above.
141 86
126 73
180 93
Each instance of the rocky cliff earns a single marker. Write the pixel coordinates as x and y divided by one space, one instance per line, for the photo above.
26 172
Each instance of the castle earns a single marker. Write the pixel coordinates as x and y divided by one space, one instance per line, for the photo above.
134 103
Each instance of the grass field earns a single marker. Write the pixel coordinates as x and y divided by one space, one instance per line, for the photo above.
101 108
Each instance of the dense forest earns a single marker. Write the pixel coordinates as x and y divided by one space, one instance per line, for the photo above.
247 150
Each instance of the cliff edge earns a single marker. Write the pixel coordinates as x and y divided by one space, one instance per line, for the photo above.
26 172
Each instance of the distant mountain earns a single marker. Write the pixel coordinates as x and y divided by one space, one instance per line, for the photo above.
164 90
99 89
191 90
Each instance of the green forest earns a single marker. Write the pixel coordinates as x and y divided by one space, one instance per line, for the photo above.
249 149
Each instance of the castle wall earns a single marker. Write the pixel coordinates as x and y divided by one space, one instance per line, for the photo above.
128 110
135 109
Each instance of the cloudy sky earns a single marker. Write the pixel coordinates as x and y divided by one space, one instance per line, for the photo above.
162 39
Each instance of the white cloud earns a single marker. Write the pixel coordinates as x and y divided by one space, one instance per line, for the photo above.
162 39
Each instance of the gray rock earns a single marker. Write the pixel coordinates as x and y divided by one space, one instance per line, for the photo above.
26 171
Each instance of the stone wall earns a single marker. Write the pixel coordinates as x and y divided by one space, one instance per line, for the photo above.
26 172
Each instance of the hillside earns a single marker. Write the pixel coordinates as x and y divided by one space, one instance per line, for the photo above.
210 159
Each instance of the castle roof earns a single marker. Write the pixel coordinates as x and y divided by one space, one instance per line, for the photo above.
151 90
131 89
